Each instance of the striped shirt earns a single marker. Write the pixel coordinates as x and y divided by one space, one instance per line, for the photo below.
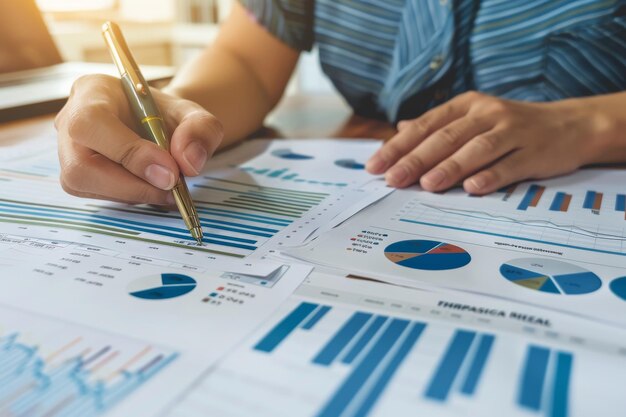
395 59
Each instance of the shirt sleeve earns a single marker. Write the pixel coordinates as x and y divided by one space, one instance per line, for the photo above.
291 21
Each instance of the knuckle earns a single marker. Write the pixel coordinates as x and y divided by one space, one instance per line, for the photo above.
472 95
80 123
449 136
130 154
73 177
421 124
413 163
487 143
212 123
452 167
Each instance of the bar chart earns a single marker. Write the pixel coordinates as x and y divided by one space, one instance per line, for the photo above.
237 218
362 363
56 368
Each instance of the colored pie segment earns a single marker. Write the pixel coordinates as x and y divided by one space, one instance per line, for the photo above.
349 164
161 287
550 276
288 154
618 286
428 255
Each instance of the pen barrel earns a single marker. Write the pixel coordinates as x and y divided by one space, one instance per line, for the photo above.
183 200
145 110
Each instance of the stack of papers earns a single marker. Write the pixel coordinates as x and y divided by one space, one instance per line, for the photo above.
318 291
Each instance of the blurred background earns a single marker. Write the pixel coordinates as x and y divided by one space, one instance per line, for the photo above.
162 32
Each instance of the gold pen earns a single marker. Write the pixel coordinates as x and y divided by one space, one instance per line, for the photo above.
147 112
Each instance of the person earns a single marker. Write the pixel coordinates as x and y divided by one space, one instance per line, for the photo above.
485 92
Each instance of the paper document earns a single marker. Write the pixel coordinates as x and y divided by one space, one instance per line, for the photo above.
557 243
340 347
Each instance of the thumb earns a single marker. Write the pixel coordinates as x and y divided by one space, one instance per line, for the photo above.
196 135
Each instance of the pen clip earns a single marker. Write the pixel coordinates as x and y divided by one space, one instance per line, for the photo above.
122 56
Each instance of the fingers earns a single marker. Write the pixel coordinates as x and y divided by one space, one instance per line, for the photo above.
413 132
513 168
196 137
85 173
114 140
438 146
481 151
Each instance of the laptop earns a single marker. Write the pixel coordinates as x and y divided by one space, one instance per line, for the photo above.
34 79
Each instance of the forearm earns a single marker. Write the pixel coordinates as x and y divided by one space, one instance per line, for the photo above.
222 83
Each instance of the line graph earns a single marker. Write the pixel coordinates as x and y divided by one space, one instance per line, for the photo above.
52 367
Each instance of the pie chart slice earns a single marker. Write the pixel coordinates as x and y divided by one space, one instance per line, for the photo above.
349 164
161 287
618 286
428 255
288 154
550 276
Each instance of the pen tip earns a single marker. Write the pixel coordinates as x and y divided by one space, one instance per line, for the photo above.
196 233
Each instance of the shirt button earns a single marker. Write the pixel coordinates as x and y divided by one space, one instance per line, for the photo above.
436 63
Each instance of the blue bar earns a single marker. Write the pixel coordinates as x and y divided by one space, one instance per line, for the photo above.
234 230
339 341
277 173
359 376
283 329
261 171
528 198
321 312
478 364
274 202
620 203
590 197
533 377
183 233
239 225
390 370
244 216
556 203
365 338
560 395
441 383
290 176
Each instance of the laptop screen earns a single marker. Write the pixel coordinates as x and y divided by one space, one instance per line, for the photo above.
25 42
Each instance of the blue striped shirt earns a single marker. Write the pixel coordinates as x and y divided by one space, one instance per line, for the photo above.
395 59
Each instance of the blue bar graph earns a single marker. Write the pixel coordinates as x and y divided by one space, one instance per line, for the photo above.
620 202
533 377
319 313
283 329
277 173
441 384
531 198
561 202
478 364
560 396
388 372
341 339
363 371
590 197
365 338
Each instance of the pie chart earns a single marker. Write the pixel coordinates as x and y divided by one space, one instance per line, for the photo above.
428 255
618 286
349 164
547 275
161 287
288 154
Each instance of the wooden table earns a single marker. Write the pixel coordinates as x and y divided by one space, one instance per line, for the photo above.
310 116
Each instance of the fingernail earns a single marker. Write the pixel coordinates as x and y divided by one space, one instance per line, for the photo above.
478 182
434 177
160 177
376 164
196 156
397 175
